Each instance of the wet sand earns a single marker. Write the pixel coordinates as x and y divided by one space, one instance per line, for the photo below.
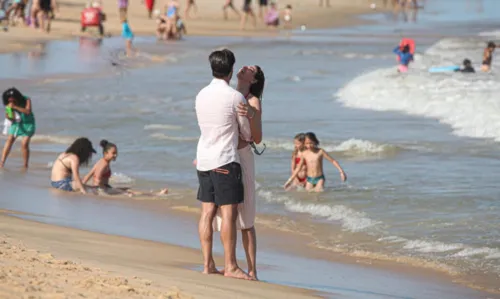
69 263
208 21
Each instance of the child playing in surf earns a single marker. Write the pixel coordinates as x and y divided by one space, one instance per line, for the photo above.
300 180
129 36
488 56
404 57
101 174
313 157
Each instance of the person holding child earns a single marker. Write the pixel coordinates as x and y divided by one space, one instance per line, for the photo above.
313 156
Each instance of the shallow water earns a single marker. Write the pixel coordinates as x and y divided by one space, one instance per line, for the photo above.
420 150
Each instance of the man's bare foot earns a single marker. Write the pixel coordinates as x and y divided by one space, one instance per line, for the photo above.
237 273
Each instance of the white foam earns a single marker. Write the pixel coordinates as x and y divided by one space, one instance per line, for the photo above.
162 136
351 146
488 253
162 127
469 103
494 33
349 219
53 139
431 246
120 178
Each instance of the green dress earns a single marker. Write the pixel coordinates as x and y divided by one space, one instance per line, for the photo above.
25 127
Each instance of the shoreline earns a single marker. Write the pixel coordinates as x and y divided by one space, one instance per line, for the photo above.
66 24
76 262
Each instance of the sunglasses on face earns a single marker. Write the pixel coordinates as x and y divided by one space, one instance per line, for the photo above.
256 151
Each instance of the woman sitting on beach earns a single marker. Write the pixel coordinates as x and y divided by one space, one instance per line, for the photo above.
101 173
22 124
65 170
313 156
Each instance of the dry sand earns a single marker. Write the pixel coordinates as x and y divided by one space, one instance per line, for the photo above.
45 261
207 21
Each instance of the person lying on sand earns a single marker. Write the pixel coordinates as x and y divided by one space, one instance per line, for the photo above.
101 173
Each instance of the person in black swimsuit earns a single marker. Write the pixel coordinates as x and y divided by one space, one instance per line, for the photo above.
248 11
488 56
467 67
45 8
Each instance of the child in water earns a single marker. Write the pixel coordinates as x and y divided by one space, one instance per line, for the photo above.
313 157
300 180
488 56
129 36
404 57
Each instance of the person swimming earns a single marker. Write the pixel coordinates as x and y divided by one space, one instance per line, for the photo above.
405 57
488 56
467 67
313 156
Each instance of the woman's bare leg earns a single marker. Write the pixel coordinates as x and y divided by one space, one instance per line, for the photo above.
6 149
25 148
249 239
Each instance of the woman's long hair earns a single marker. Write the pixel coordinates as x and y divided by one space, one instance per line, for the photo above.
13 92
83 149
257 88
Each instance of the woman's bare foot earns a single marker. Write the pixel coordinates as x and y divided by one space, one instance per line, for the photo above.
253 275
237 273
211 269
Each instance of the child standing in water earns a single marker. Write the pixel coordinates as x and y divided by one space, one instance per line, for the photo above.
300 180
404 57
313 157
488 57
129 36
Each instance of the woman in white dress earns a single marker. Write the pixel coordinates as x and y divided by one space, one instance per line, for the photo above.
251 84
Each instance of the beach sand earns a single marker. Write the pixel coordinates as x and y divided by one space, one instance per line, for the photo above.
208 21
45 261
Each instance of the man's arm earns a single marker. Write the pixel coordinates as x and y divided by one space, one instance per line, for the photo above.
243 123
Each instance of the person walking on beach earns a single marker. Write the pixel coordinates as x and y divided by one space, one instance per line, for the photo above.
21 126
218 162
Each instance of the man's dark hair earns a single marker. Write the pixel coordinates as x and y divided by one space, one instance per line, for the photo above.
221 62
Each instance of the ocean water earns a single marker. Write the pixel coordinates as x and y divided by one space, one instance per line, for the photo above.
420 150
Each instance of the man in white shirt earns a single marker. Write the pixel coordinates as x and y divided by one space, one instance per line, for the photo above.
218 168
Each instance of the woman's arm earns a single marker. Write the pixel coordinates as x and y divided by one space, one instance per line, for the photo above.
25 110
89 175
343 176
294 155
75 167
256 120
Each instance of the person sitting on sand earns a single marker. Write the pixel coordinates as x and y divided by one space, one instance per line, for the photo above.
300 180
467 68
313 157
66 168
101 173
404 56
488 56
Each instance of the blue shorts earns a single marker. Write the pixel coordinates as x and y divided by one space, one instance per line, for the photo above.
64 185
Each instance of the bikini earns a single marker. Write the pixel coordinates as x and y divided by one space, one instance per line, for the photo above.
106 175
297 161
64 184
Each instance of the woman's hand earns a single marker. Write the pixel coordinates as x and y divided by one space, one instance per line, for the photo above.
343 176
246 110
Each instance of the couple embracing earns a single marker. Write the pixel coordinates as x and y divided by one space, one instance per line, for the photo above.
230 122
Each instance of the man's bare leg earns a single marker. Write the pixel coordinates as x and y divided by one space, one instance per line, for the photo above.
206 232
228 237
249 239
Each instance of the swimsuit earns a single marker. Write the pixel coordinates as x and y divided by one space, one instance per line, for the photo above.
487 61
171 11
64 184
314 181
126 31
297 161
25 127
